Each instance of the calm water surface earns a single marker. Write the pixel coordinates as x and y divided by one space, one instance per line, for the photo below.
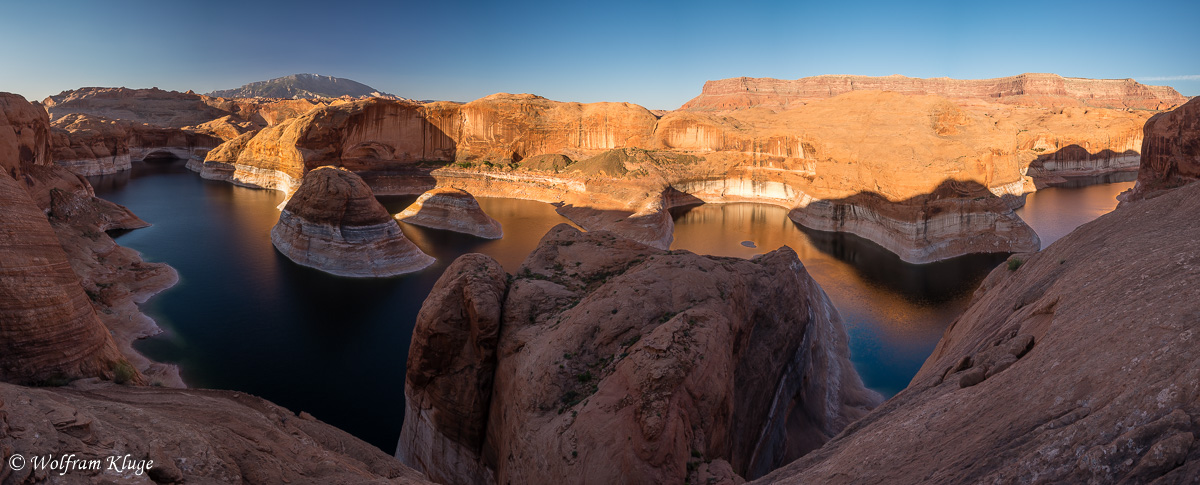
243 317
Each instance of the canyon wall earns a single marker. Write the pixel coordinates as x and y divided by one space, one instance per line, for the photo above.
1028 89
48 328
861 161
1170 151
1075 364
606 360
89 145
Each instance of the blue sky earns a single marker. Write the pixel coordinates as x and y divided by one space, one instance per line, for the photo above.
657 54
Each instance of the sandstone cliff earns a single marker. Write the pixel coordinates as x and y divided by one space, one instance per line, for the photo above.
1027 89
192 436
453 210
1076 364
862 161
89 145
48 328
606 360
333 223
66 224
1170 151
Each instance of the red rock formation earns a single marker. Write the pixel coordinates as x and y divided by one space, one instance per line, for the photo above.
449 375
453 210
1076 364
88 145
1170 151
619 362
48 329
1025 89
374 134
192 436
333 223
504 128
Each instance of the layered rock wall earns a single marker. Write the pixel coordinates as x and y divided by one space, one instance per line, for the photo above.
1032 89
1170 151
334 224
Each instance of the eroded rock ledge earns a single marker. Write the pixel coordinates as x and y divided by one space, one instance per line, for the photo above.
606 360
334 224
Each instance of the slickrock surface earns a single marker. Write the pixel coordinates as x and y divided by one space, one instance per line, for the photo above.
1029 89
615 362
333 223
1170 151
451 209
1079 366
48 329
193 436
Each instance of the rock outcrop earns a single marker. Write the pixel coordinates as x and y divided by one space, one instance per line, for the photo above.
1076 364
48 328
334 224
453 210
1028 89
167 109
1170 151
191 436
957 218
618 362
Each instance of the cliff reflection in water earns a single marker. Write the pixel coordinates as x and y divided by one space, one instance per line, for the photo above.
894 311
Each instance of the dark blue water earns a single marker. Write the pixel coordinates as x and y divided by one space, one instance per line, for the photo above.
245 318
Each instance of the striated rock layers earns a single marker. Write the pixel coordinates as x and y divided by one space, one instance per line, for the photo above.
957 218
609 361
868 160
1076 364
48 329
453 210
1170 151
334 224
89 145
192 436
1027 89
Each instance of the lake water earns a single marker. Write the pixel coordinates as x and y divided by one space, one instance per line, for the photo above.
244 317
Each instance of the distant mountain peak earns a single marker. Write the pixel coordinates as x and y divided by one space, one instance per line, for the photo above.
301 86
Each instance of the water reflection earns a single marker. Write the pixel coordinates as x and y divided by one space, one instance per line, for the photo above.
894 311
1056 211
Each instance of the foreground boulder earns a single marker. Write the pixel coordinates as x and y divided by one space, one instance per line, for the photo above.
453 210
1077 364
192 436
333 223
609 361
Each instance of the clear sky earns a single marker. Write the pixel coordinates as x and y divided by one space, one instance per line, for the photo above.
657 54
